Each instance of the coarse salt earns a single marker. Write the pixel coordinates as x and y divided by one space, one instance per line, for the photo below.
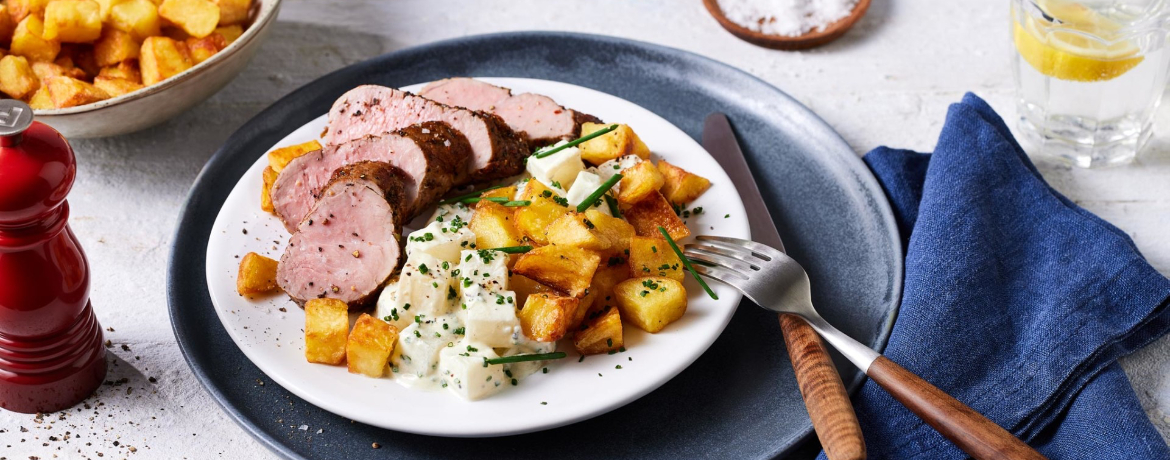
790 18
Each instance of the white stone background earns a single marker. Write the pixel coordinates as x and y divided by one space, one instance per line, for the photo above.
887 82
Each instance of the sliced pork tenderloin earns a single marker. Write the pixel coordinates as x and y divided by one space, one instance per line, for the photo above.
468 93
347 247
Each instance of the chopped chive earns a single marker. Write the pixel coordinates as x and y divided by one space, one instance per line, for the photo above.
687 263
596 195
513 249
513 204
578 141
476 199
475 194
530 357
613 206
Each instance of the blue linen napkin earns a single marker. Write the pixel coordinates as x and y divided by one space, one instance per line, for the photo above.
1016 301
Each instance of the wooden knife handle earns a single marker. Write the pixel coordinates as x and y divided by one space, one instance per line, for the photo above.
824 395
971 431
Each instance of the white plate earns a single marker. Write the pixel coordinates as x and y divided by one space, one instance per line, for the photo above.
273 338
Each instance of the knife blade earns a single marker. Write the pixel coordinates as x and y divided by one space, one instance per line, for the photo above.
820 385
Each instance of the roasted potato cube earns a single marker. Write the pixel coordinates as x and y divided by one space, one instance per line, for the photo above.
615 230
139 18
20 9
7 25
601 334
104 7
73 21
196 17
29 41
233 11
638 182
608 275
280 157
82 57
116 86
204 48
115 46
574 229
650 303
162 58
369 346
71 92
545 208
265 192
524 286
40 100
565 268
584 306
618 143
230 33
492 225
546 317
651 256
17 78
326 330
45 70
647 215
257 275
680 186
126 70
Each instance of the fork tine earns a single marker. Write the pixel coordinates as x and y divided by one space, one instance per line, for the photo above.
722 275
712 256
760 250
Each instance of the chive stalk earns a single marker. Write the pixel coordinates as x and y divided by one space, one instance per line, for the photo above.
523 358
613 206
596 195
475 194
513 249
576 142
687 263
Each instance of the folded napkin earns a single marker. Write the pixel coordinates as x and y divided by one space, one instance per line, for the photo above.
1016 301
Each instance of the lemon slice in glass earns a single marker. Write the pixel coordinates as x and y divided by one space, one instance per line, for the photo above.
1074 50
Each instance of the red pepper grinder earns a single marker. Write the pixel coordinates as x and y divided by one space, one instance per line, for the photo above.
51 352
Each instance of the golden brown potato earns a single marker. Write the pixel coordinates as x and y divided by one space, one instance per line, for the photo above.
369 346
492 225
104 8
28 40
41 100
114 47
161 58
73 21
139 18
257 275
233 11
650 256
196 17
574 229
230 33
116 86
651 303
601 334
617 231
20 9
608 275
638 182
71 92
545 208
565 268
7 25
280 157
45 70
126 70
647 215
265 192
203 48
621 142
524 286
546 317
82 56
17 78
326 330
680 186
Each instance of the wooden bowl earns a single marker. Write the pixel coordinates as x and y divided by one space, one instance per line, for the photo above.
809 40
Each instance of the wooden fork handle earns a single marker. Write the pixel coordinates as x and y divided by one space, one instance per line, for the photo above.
970 430
824 395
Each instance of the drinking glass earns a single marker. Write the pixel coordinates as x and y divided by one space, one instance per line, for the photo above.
1089 76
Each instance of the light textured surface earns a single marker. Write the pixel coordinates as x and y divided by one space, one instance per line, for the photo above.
887 82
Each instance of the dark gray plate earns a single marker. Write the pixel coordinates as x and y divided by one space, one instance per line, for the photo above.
739 400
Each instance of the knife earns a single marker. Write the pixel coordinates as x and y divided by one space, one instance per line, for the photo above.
824 395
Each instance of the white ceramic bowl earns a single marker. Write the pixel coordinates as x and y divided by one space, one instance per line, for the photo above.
159 102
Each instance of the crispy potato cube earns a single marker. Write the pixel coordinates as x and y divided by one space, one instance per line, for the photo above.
584 306
82 57
575 229
546 208
73 21
615 230
7 25
28 40
680 186
649 214
326 330
139 18
546 317
116 86
233 11
17 78
524 286
115 46
621 142
40 100
638 182
492 225
104 7
651 303
196 17
565 268
265 192
161 58
601 334
650 256
257 275
279 158
608 275
20 9
126 70
230 33
71 92
204 48
369 346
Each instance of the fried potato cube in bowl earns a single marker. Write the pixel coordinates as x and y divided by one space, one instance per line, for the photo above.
653 212
230 33
680 186
20 9
651 303
40 100
7 25
638 182
279 158
161 58
126 70
651 256
601 334
616 144
139 18
546 317
29 41
196 17
257 275
233 11
71 92
116 86
565 268
115 47
17 78
73 21
326 330
368 348
492 225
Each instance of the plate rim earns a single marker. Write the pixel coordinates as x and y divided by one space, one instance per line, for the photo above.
267 118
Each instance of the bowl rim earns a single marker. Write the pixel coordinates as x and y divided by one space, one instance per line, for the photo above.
264 17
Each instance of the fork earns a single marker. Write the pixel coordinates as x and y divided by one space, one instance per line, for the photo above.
775 282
